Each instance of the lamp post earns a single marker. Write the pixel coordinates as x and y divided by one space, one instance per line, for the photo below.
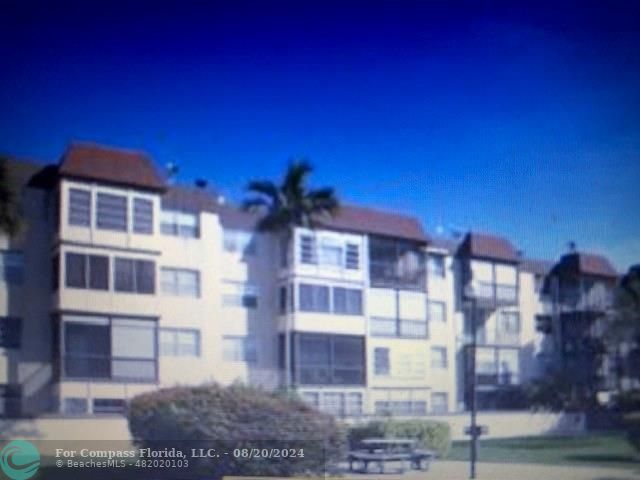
471 296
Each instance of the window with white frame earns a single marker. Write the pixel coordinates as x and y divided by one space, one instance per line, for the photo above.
180 282
12 267
436 265
179 223
347 301
142 216
437 311
179 342
239 241
308 250
439 357
239 349
313 298
79 207
352 259
330 252
111 212
238 294
86 271
381 361
439 402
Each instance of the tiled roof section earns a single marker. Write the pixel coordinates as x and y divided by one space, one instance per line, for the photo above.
235 218
191 199
112 165
449 245
350 218
536 266
587 264
484 245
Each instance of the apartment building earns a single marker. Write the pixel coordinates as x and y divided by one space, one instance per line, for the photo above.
120 283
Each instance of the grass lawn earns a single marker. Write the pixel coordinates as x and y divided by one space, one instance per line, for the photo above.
602 450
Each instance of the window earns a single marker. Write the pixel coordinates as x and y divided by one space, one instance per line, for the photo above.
112 212
509 322
109 406
10 332
439 402
437 312
347 301
87 271
79 207
238 241
109 348
282 299
330 253
239 295
239 349
439 357
328 359
392 327
401 407
352 260
381 362
12 267
312 398
142 216
180 224
436 265
313 298
134 276
179 342
180 282
396 263
75 406
308 250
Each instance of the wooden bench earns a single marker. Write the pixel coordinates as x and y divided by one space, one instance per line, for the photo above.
380 458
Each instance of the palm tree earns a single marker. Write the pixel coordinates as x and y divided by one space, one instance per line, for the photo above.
291 203
286 206
9 215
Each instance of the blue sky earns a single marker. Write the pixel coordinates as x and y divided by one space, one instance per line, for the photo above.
524 121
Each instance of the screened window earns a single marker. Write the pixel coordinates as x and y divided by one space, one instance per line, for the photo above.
134 276
87 271
79 207
108 406
111 212
179 342
180 282
75 406
396 264
437 312
436 265
381 361
313 298
12 267
329 359
238 241
331 253
439 402
10 332
347 301
142 216
439 357
239 349
240 295
308 250
392 327
109 348
180 224
352 260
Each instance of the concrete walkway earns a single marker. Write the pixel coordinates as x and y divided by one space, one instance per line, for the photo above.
445 470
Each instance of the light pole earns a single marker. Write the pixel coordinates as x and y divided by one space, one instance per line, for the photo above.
470 294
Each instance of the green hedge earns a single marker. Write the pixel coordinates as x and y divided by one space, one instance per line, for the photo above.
237 417
430 434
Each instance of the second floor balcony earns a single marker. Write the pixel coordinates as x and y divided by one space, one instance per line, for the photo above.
492 294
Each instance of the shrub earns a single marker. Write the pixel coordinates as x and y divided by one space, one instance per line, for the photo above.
430 434
236 417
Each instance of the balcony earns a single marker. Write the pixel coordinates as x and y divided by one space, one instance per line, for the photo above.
497 380
397 264
597 298
494 295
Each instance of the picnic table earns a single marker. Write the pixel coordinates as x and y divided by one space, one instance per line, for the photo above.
381 451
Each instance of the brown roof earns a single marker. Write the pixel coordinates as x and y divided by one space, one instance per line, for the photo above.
442 243
533 265
484 245
190 199
113 165
365 220
586 264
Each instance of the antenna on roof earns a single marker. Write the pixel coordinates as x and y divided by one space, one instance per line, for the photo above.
572 246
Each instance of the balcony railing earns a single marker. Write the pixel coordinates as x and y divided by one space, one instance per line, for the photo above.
495 293
497 379
596 298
